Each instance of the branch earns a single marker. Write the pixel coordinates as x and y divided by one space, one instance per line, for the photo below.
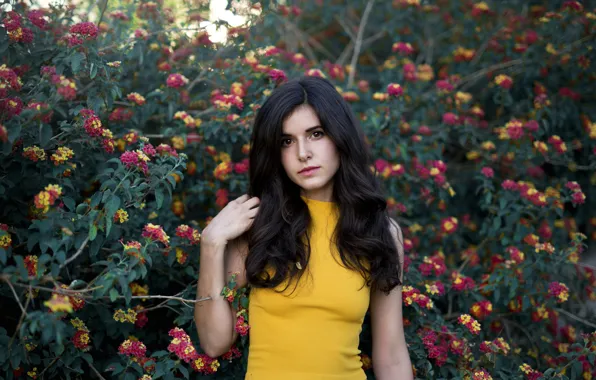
16 297
358 43
573 316
96 372
101 16
73 257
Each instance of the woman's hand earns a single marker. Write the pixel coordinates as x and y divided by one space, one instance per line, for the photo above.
232 221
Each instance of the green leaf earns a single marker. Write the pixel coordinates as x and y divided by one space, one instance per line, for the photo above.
93 70
184 371
92 232
75 61
159 198
69 202
113 294
45 134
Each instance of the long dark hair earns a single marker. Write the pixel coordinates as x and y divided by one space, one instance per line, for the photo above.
276 238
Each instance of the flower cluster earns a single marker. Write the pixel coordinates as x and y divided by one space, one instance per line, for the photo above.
136 98
30 264
62 155
42 109
449 225
222 170
15 29
435 263
191 234
76 299
481 309
129 316
577 196
81 339
34 153
242 325
498 345
58 303
133 248
9 80
411 295
225 101
469 322
5 239
132 348
46 198
121 216
504 81
559 291
121 114
137 159
188 120
531 374
394 89
94 128
81 32
156 233
526 191
461 282
66 87
176 81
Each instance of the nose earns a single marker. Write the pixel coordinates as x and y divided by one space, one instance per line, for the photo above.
304 152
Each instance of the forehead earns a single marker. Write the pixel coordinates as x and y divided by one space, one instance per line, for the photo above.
302 120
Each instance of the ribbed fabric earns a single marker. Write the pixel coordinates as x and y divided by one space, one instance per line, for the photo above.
312 333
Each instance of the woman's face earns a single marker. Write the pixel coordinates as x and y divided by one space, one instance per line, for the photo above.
305 144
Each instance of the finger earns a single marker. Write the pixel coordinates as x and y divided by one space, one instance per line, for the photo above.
242 198
253 212
252 202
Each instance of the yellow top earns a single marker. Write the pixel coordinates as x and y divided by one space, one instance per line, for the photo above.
312 333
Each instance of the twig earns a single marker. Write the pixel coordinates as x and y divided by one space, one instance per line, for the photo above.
358 43
49 365
573 316
16 330
102 12
16 297
96 371
73 257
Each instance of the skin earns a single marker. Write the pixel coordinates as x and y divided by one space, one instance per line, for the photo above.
305 143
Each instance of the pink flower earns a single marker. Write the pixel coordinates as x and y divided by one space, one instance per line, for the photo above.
277 75
36 18
176 81
488 172
394 89
509 185
450 118
86 29
402 47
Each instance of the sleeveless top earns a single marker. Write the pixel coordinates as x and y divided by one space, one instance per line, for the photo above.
310 331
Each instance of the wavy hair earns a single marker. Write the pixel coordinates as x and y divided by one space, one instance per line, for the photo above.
278 237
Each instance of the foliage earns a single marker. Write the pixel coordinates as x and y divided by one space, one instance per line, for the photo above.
114 138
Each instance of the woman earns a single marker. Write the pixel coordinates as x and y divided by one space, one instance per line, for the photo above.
314 241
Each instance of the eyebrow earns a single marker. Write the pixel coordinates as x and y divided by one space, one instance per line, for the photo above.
308 130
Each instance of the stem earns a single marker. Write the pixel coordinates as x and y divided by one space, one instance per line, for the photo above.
358 43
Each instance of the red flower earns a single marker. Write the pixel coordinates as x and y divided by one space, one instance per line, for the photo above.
86 29
277 75
488 172
394 89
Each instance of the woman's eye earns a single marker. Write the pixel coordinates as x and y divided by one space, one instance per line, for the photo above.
320 133
283 142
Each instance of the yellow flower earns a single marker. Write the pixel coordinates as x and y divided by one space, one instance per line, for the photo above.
58 303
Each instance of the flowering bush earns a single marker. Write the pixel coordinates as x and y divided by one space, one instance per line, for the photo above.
123 131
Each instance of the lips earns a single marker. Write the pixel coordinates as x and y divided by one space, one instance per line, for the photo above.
309 170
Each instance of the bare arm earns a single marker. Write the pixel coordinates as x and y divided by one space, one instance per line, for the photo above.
215 318
391 359
223 251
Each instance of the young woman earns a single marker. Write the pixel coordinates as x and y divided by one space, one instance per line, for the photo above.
314 241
